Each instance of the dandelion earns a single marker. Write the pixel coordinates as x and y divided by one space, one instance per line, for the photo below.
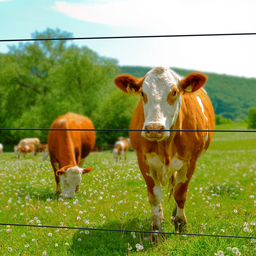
236 251
44 253
139 247
23 235
79 239
56 244
235 211
26 245
78 218
219 253
9 249
50 234
67 244
129 247
133 235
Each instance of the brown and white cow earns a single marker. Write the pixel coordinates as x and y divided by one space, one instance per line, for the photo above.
28 145
121 148
68 150
166 153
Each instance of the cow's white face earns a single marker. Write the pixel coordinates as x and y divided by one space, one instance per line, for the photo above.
162 102
70 181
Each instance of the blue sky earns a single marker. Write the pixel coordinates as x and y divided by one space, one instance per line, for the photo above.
229 55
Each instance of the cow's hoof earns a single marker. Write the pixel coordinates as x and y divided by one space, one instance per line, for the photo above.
180 225
156 236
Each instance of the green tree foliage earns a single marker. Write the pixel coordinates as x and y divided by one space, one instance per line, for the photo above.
40 81
252 118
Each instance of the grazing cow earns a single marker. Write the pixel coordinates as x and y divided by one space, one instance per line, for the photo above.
68 149
28 145
43 148
121 147
1 148
166 153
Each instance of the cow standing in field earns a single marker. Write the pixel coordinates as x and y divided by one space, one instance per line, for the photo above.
28 145
121 148
166 153
68 150
1 148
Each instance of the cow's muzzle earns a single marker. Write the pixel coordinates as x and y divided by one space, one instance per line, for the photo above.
154 132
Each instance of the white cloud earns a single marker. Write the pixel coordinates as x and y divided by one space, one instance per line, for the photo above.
179 16
230 55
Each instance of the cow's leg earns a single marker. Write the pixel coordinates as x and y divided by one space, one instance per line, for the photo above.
154 197
180 195
55 167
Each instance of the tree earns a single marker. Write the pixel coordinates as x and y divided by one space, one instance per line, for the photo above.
252 118
41 80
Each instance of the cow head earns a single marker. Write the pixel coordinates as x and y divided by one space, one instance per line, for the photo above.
161 90
71 178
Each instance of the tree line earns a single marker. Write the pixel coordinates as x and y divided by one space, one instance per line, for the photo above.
41 80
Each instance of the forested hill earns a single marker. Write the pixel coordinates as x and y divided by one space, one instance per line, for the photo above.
232 96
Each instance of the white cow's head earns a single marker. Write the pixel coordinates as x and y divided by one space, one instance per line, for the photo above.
161 89
71 178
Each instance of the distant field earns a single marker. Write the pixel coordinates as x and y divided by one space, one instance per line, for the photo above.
222 200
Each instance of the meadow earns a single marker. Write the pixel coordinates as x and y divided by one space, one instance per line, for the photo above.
221 201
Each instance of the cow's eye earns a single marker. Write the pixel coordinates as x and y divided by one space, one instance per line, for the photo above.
144 96
172 96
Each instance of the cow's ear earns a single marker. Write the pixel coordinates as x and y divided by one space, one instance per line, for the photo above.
193 82
86 170
61 171
129 84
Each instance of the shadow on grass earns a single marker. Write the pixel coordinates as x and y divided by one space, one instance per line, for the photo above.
110 243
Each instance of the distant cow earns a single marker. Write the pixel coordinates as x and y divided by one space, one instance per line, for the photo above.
121 147
1 148
174 115
28 145
43 148
68 149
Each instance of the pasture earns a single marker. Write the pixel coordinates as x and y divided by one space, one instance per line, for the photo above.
221 201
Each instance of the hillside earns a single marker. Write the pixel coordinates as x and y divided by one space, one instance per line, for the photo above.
232 96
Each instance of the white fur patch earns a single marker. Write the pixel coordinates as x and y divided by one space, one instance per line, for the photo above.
202 106
158 170
176 164
180 212
157 85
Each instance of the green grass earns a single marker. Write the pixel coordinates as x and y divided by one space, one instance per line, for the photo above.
222 200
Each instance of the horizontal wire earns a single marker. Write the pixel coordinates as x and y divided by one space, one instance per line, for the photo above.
125 37
127 130
125 231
